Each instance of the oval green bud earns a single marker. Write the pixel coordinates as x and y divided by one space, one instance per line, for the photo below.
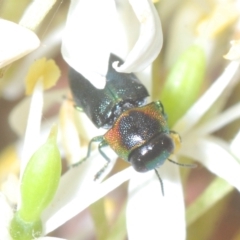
183 83
40 179
38 186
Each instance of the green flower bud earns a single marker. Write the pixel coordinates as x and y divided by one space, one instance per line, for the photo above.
183 83
39 184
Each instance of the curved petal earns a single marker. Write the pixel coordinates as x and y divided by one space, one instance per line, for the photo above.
215 155
88 36
149 214
219 121
235 145
33 125
15 42
193 115
35 13
92 33
70 141
149 42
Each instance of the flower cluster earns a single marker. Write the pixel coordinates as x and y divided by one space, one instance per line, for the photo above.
184 59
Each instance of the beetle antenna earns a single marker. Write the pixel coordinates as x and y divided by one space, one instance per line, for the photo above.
160 180
183 164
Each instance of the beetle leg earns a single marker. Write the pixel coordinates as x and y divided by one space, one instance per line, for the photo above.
160 180
93 140
100 146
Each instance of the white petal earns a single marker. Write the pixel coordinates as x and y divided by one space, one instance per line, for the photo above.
88 36
18 116
195 113
215 155
70 141
151 215
150 40
33 126
15 42
5 218
77 191
9 187
104 29
146 77
235 145
36 12
219 121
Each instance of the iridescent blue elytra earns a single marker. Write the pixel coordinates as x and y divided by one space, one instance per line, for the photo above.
138 133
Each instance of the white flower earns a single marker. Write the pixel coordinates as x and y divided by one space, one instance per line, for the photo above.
149 214
95 29
145 199
87 44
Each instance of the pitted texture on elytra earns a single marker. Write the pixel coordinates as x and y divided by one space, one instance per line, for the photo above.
136 128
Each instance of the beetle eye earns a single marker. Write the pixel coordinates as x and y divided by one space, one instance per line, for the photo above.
152 154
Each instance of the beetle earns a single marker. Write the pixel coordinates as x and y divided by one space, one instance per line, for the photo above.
137 132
